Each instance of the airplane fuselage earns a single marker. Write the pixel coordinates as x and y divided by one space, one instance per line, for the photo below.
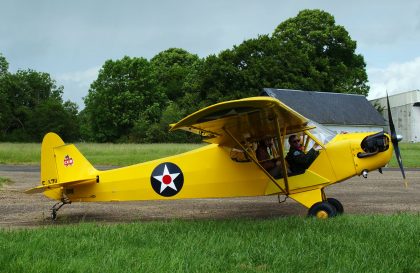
210 172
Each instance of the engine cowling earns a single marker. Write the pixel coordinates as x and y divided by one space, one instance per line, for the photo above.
374 144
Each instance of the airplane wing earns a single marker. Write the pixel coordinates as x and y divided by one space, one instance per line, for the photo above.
248 120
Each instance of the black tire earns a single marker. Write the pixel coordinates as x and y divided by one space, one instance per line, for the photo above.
322 210
337 205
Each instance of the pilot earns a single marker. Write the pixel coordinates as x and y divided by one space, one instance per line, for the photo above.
265 157
297 159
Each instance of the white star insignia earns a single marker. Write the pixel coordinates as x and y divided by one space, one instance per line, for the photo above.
166 179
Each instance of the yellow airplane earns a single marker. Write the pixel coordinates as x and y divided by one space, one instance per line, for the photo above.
228 166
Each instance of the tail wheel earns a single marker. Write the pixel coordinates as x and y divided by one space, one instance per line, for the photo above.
336 204
322 210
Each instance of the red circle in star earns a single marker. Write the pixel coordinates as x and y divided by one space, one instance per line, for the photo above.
167 179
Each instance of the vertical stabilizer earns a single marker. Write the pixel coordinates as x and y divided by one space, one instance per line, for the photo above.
62 165
48 164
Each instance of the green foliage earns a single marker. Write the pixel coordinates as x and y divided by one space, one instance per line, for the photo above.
54 116
85 126
307 52
378 107
122 93
4 65
128 99
350 243
4 181
31 106
170 69
324 53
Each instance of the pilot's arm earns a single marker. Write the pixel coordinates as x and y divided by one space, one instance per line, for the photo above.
305 160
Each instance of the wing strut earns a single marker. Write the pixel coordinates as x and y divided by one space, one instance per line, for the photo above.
255 160
281 147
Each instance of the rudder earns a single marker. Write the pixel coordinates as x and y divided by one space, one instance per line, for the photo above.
48 165
62 164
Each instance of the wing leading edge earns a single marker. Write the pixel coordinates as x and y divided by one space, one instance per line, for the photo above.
249 119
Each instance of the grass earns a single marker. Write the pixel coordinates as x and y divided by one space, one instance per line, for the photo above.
127 154
4 181
20 153
410 153
386 243
97 154
380 243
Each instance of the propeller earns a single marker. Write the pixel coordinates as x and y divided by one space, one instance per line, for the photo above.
395 138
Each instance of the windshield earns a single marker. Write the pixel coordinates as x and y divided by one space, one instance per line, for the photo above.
321 132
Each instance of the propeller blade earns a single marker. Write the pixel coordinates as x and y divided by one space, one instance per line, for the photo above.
391 122
394 138
399 159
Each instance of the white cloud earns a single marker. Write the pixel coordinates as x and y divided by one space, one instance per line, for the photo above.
82 78
396 78
76 84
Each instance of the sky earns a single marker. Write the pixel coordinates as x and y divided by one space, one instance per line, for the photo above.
71 40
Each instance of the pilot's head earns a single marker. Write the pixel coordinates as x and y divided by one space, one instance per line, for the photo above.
294 141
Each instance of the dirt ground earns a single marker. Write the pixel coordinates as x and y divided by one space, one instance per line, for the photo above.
378 194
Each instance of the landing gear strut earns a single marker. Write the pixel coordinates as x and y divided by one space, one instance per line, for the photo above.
58 206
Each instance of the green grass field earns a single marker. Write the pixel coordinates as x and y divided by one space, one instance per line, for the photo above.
387 243
410 153
97 154
126 154
350 243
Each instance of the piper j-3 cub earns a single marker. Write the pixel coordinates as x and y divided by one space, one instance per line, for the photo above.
228 166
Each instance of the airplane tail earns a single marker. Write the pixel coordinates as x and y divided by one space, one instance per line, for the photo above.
62 165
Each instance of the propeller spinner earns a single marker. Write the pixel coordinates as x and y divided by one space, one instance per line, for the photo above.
395 138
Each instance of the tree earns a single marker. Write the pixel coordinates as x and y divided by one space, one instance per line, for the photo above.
23 91
4 65
122 93
170 69
322 52
172 114
135 100
243 71
4 107
31 106
307 52
53 116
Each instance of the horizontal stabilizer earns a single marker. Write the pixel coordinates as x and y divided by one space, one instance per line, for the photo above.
43 188
38 189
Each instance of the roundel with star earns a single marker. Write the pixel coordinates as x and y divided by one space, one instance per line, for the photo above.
167 179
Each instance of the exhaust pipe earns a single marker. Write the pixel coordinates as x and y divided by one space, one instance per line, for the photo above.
364 173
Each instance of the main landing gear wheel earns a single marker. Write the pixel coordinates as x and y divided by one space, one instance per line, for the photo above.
336 204
322 210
